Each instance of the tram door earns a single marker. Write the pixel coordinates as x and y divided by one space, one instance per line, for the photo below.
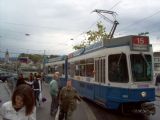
100 70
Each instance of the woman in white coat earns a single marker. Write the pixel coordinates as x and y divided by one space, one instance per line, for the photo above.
21 107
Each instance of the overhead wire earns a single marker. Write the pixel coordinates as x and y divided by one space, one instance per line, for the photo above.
141 20
96 21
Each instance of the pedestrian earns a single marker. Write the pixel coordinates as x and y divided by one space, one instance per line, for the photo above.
58 78
36 88
30 81
68 101
20 80
158 80
35 74
21 106
53 85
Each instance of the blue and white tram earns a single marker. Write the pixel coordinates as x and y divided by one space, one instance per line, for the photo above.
115 73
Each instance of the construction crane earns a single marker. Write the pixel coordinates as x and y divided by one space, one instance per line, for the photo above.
114 22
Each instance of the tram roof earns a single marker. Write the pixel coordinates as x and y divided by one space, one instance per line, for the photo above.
107 43
125 40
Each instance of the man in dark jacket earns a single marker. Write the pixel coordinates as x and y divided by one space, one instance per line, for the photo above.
68 100
36 88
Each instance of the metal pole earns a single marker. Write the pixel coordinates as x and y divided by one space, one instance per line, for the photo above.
44 63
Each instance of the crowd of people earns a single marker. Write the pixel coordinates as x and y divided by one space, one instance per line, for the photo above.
26 96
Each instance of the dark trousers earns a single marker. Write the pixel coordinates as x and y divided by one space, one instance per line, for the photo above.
36 95
54 105
67 115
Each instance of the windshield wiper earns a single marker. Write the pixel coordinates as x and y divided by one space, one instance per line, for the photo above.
120 58
145 59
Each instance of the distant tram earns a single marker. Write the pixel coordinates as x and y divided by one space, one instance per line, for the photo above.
115 73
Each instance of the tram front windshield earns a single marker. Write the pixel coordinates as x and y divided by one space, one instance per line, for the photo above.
141 67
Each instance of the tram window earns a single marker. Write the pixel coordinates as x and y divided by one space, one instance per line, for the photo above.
89 70
103 70
82 61
59 68
50 69
141 67
82 67
90 61
77 69
82 70
72 69
96 68
117 68
89 67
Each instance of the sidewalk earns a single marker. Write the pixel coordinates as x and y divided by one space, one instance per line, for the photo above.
83 111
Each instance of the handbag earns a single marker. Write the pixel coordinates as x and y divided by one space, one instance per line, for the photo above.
57 114
41 98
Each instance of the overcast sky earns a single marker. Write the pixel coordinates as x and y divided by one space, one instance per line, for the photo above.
50 24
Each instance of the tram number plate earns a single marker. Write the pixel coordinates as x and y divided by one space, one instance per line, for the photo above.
140 43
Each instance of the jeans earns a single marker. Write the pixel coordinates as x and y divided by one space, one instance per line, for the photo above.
36 94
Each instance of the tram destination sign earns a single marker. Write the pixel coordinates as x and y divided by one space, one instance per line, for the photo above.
140 43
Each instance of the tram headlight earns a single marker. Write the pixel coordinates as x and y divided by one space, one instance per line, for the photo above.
143 94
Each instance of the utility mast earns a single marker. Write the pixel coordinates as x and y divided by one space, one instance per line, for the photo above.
114 22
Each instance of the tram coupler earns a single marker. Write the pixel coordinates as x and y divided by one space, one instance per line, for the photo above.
148 108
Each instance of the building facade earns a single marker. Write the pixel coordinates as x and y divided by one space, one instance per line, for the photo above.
156 63
157 71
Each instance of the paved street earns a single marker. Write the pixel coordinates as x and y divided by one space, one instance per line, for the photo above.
86 110
82 112
104 114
